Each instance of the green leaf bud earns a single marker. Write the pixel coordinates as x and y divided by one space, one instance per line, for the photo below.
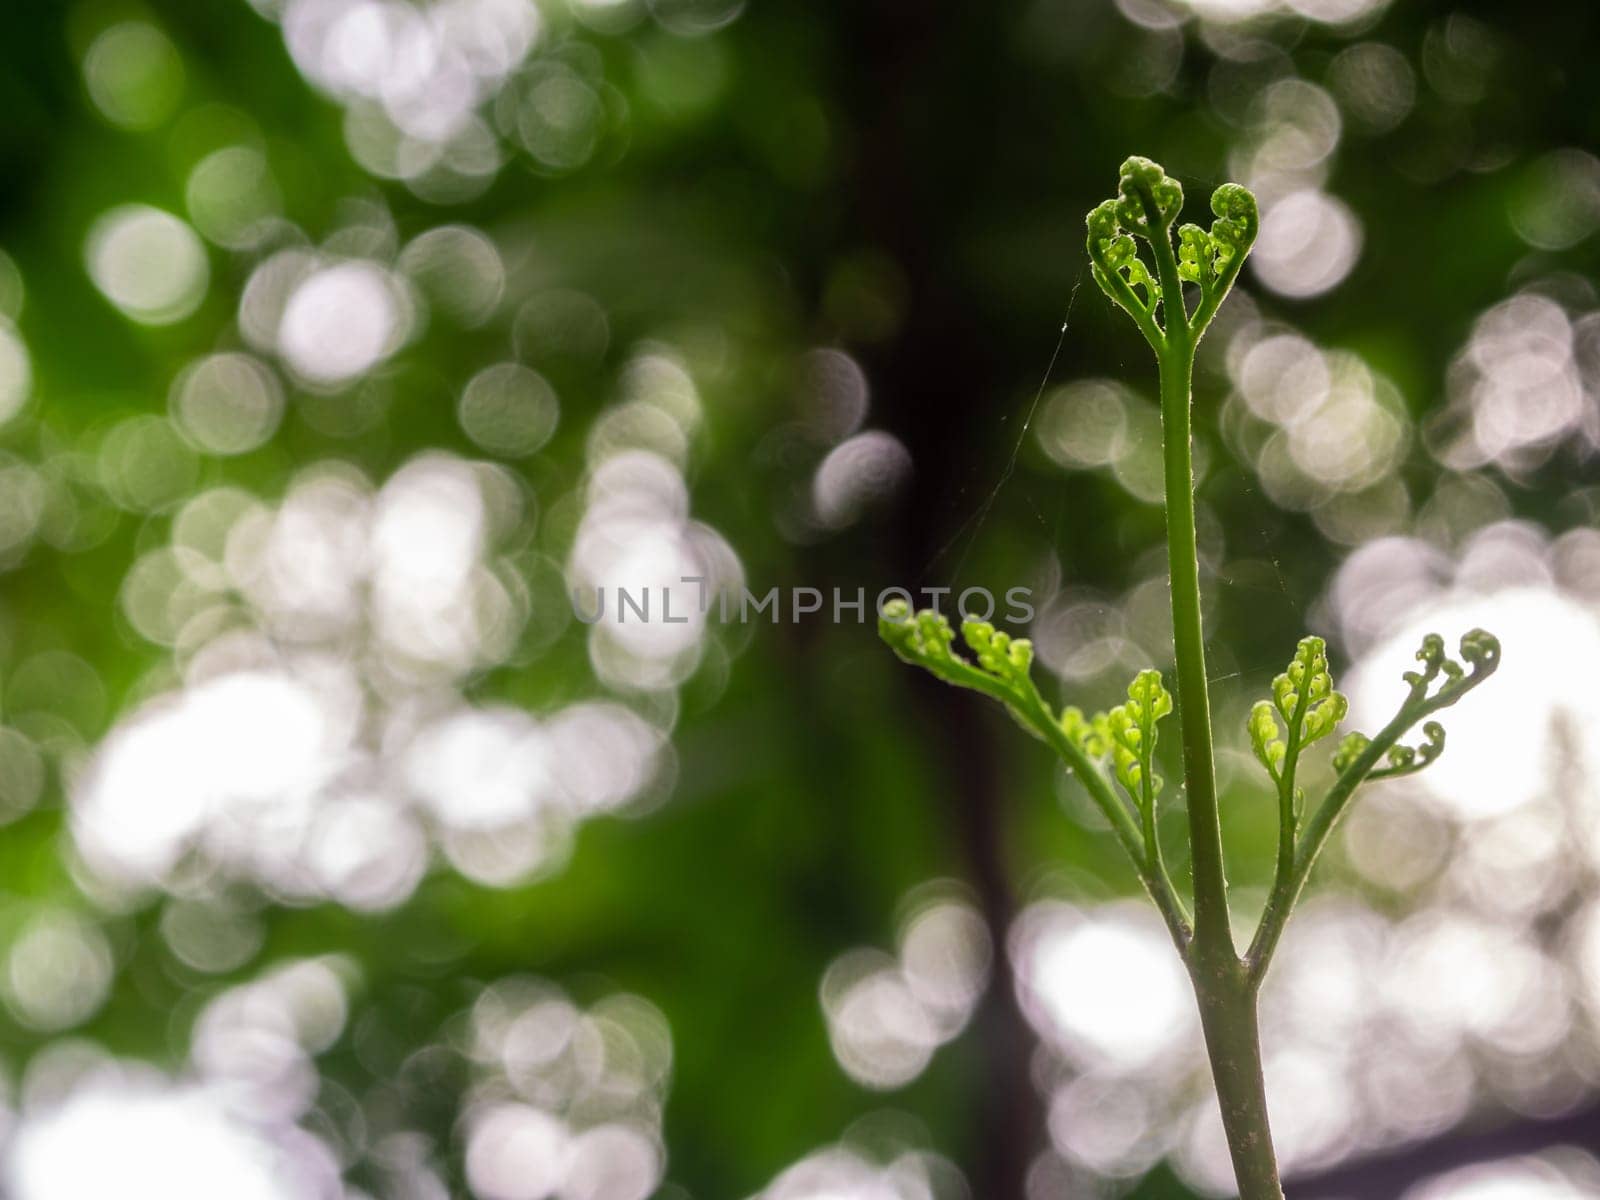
1196 255
1266 738
1351 747
1304 693
1143 185
1238 221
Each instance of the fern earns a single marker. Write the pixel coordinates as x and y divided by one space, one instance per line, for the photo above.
1113 753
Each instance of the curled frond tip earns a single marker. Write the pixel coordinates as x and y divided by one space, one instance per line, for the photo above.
1147 203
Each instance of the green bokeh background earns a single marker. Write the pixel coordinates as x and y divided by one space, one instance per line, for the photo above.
904 181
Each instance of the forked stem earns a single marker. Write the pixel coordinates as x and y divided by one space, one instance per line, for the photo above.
1304 705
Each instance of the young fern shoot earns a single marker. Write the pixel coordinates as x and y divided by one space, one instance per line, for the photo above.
1113 753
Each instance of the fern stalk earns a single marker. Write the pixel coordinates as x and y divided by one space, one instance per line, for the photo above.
1113 753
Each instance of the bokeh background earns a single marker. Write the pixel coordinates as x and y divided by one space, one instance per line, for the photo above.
341 339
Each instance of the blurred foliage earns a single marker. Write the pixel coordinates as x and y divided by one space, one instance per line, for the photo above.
902 182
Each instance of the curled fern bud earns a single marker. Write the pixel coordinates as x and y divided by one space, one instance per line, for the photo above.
1147 204
1321 707
1145 187
1196 255
999 654
1116 265
1435 662
1304 700
1099 742
1433 746
1130 735
933 633
1266 739
1433 658
924 638
1238 221
1323 717
1125 756
1003 662
1351 747
1109 247
1406 760
1481 649
1078 728
1438 683
897 626
1149 698
1139 277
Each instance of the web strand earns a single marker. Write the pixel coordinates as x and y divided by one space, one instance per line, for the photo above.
976 520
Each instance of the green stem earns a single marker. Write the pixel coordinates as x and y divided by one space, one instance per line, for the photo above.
1233 1044
1223 987
1284 893
1194 704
